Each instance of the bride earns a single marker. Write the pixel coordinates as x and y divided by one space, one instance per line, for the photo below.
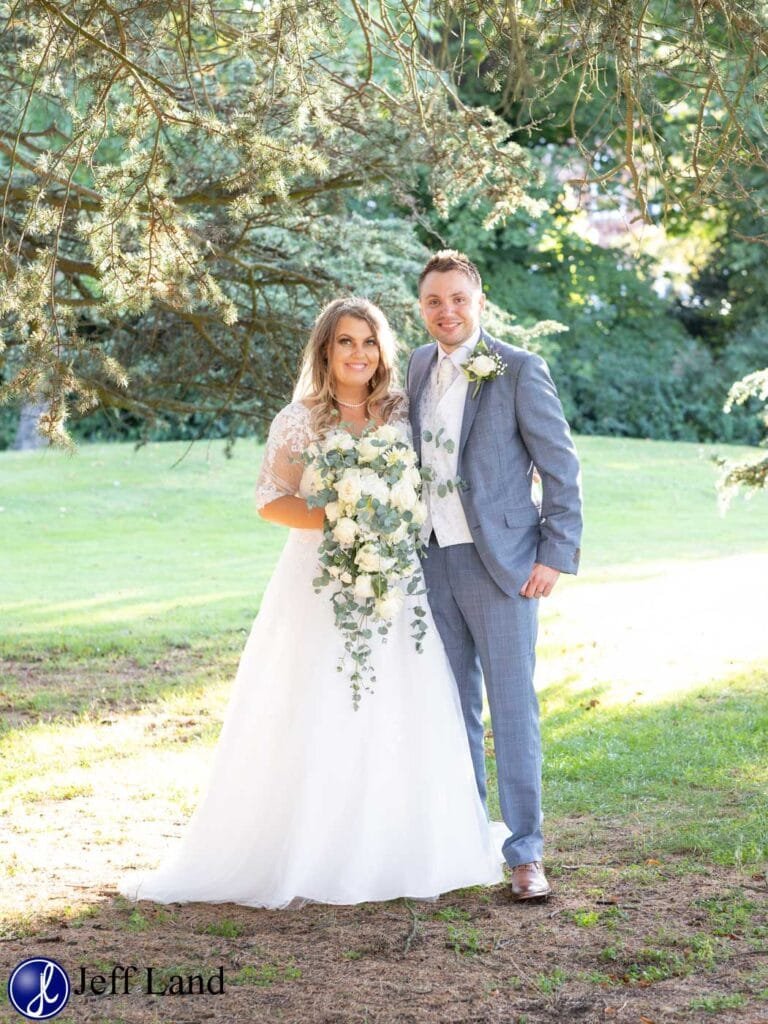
310 799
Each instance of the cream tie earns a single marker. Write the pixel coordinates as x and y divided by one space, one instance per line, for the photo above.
446 372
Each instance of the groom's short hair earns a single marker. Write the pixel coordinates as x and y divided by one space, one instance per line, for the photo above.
451 259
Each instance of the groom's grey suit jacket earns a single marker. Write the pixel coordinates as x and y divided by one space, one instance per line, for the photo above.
516 422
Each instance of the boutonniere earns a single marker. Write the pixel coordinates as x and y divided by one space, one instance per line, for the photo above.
484 365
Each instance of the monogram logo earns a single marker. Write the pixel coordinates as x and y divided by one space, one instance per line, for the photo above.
38 988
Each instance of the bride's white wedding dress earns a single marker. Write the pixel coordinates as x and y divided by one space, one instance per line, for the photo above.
308 798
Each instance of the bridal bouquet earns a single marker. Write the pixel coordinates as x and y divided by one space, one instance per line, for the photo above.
370 488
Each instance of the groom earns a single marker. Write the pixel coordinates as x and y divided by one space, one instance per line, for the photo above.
492 551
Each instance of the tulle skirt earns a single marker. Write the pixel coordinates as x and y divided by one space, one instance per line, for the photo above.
310 799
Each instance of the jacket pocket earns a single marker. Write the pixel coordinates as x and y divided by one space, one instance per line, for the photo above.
526 515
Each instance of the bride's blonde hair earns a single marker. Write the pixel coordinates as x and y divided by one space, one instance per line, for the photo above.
315 378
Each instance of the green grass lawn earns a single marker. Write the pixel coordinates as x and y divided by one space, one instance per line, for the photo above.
654 501
124 550
116 549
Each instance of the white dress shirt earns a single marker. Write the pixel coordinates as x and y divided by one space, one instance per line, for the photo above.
445 413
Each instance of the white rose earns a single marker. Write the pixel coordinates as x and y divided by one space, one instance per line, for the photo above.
367 451
345 577
403 496
483 366
347 508
413 476
349 487
368 558
386 563
387 433
408 456
388 606
373 485
332 511
312 481
341 441
419 512
363 587
345 532
399 534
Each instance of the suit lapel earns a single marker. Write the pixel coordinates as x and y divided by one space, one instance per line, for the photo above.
471 405
419 385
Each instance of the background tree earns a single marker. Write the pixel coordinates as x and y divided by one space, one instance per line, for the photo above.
184 187
662 97
653 109
177 200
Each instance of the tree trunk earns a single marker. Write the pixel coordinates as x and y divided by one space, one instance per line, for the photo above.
27 436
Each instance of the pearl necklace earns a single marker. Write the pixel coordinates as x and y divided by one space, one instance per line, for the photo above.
350 405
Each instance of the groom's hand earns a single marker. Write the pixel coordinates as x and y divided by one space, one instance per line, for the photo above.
540 582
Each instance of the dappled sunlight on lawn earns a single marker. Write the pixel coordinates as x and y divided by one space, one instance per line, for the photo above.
107 795
657 636
54 607
115 608
683 776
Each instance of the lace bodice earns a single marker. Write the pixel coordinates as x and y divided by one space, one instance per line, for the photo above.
290 434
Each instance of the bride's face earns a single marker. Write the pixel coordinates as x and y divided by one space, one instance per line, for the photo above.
354 353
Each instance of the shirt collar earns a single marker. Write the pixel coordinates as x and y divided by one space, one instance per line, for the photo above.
460 355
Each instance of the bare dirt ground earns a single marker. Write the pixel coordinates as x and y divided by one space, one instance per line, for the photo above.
641 951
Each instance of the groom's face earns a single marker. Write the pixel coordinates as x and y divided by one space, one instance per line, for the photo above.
451 305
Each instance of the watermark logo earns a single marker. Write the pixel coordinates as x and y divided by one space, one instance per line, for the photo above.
38 988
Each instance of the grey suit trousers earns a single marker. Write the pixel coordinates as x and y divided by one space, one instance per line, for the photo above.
490 635
509 425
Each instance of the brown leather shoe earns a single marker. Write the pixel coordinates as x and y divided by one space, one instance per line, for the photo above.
529 882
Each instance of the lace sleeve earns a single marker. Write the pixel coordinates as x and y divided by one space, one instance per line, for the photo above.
399 417
282 468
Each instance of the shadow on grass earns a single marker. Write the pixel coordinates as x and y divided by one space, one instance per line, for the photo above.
683 776
64 686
